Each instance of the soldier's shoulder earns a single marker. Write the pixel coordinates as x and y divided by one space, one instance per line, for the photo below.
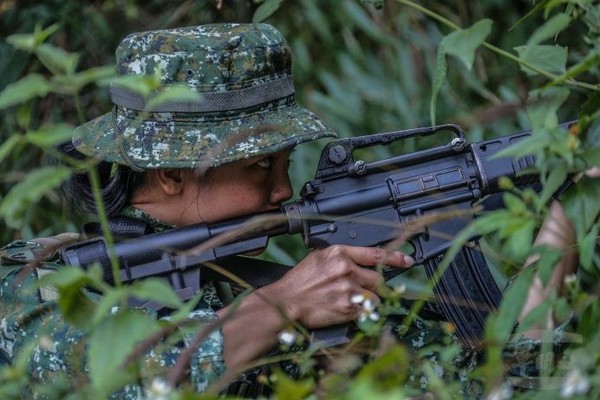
39 249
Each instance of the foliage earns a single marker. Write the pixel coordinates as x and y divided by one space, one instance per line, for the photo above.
365 67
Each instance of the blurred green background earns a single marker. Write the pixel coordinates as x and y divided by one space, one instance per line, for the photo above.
364 67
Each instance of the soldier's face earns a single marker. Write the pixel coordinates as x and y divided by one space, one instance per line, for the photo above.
240 188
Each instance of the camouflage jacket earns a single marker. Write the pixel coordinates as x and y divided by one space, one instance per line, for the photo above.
30 316
31 321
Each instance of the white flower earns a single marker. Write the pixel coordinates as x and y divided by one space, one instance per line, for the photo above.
367 307
503 392
400 289
357 298
570 279
372 315
159 390
287 337
575 383
368 311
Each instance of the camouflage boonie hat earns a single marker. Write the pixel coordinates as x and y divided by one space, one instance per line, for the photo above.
246 105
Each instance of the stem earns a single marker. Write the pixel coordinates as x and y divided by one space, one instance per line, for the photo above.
547 74
431 14
103 219
80 113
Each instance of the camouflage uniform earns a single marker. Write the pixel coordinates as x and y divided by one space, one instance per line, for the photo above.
28 316
238 102
520 356
31 315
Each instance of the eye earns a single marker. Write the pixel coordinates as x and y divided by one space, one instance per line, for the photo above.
264 163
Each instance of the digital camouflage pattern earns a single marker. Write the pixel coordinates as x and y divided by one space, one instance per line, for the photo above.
29 317
242 75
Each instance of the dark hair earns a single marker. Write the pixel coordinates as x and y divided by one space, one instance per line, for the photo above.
117 185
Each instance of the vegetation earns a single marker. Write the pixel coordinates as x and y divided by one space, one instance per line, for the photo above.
493 67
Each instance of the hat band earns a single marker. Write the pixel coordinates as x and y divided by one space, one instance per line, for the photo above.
209 101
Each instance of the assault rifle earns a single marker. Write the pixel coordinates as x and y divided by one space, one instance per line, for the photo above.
352 202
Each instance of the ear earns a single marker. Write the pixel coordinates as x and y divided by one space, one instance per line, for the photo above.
170 180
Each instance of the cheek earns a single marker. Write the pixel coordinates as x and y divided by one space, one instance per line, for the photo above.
247 197
233 201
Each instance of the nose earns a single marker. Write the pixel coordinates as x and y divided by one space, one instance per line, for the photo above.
281 188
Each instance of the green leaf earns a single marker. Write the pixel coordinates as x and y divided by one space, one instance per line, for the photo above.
364 21
69 282
50 135
377 4
514 203
499 326
488 223
552 59
531 145
9 144
591 157
143 85
80 79
520 237
581 204
172 94
65 276
25 89
533 11
548 258
535 317
590 108
543 106
465 42
550 28
29 41
75 305
156 290
265 10
587 247
57 60
439 77
182 313
292 389
24 115
550 5
35 185
555 179
23 41
111 343
577 69
110 298
388 371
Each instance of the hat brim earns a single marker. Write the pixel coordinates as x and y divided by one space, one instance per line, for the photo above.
194 141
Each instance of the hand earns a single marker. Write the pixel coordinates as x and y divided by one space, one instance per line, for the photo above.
318 291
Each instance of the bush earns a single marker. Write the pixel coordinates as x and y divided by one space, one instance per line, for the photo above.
365 67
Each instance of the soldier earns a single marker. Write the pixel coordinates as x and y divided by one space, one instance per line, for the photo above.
219 155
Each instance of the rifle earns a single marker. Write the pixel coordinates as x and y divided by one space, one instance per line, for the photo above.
358 203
